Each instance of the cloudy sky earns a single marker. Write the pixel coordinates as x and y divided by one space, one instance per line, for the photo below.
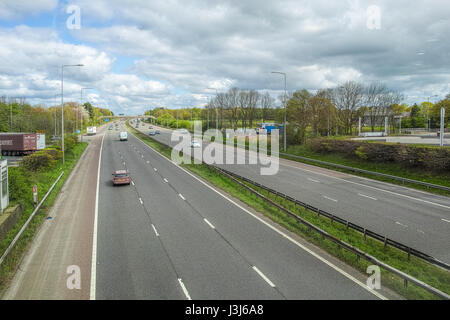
144 54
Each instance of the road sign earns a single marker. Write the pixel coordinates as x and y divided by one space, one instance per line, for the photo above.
78 131
106 120
35 196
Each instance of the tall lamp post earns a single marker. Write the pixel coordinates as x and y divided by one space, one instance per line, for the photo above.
62 102
81 114
285 98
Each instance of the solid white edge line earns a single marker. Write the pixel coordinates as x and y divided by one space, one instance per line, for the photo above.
336 268
94 234
132 182
209 223
445 220
181 196
165 180
186 293
156 231
140 200
264 277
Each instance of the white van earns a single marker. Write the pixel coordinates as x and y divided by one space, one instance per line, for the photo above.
123 136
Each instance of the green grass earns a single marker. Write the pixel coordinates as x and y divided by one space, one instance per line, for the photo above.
43 180
415 267
387 168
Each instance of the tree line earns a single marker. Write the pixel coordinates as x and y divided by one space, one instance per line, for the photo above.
323 112
17 115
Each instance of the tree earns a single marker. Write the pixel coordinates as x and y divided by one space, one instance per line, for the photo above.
299 114
348 99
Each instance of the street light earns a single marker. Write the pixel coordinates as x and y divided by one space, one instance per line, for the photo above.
62 101
285 98
81 114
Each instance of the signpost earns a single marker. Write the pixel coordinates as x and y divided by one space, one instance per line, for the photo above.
441 136
35 196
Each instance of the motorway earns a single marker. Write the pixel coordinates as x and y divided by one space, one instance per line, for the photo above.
169 235
415 218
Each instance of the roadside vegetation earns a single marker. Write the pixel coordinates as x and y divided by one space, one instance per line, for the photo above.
40 169
434 276
16 115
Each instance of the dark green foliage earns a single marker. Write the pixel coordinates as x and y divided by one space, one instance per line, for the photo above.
426 157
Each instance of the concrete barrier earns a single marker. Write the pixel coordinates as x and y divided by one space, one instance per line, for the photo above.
9 218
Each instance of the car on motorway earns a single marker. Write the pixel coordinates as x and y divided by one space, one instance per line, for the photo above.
152 133
123 136
121 177
157 131
182 131
195 144
150 127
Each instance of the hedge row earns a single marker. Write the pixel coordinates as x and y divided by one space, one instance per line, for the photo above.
429 158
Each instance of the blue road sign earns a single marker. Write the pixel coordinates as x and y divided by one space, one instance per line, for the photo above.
106 120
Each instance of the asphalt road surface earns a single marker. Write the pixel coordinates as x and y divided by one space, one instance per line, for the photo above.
171 236
415 218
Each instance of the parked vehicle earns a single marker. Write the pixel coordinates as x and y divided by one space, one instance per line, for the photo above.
121 177
18 144
91 131
123 136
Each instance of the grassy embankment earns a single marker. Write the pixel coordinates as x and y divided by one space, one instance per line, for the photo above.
22 193
418 268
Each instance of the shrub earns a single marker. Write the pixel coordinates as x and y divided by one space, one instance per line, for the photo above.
427 157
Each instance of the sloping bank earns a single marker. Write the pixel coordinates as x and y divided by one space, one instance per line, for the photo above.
41 170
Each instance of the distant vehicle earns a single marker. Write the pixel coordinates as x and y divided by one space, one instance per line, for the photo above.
150 127
195 144
152 133
123 136
157 131
18 144
91 131
40 141
121 177
264 128
182 131
110 128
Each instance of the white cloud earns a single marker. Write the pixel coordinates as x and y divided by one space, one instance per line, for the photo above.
11 9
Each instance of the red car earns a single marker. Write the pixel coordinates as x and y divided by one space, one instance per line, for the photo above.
121 177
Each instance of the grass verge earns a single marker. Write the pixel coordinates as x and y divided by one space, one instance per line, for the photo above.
43 180
386 168
422 270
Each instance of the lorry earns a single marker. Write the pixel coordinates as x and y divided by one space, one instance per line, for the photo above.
91 131
40 141
18 144
266 128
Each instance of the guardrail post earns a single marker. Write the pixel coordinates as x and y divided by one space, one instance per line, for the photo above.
385 241
346 226
405 282
318 212
409 253
365 238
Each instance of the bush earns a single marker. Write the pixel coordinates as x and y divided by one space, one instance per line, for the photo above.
430 158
